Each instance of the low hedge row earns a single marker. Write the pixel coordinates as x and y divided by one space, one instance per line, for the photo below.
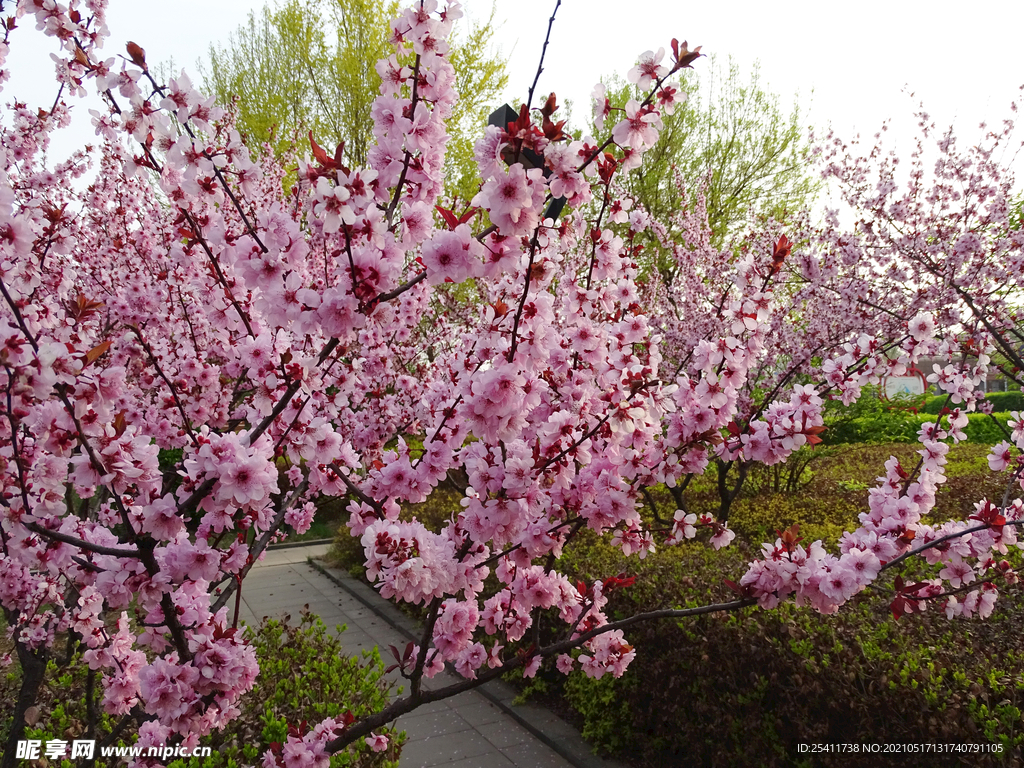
1001 401
903 427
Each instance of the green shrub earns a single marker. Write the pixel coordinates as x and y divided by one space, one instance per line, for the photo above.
903 427
872 419
1006 401
304 675
985 429
605 707
1001 401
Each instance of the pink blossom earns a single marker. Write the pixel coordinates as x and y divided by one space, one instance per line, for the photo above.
601 105
640 128
722 537
532 666
840 583
957 573
513 199
922 327
648 68
452 256
862 563
999 458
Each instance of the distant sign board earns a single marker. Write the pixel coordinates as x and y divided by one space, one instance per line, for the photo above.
911 384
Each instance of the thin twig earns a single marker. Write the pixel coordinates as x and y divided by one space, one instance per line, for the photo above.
540 64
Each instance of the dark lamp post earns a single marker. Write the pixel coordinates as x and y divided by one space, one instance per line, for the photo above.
500 118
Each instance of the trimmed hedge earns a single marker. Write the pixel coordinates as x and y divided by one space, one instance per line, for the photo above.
1001 401
903 427
1006 401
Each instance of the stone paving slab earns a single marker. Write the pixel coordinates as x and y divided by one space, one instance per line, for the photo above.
476 729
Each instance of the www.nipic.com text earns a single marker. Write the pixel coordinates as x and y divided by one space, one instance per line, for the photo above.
33 749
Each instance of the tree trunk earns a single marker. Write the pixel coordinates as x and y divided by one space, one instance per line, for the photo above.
33 670
725 495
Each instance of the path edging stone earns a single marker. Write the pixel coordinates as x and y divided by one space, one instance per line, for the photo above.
297 544
543 724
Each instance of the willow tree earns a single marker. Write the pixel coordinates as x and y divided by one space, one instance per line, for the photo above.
307 65
732 134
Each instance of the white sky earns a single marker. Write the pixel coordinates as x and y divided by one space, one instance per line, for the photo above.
962 61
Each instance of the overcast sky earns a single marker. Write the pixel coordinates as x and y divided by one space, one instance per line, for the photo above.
850 63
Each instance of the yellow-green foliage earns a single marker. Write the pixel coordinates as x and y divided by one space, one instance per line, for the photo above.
308 65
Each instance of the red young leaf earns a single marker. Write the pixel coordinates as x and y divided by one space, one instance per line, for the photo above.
906 539
550 106
95 353
782 249
82 308
899 607
790 537
318 152
468 214
683 55
449 217
735 587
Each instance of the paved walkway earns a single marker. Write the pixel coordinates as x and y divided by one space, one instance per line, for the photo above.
476 729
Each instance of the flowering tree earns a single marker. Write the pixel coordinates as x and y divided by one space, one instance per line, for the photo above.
807 318
734 137
940 235
181 306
